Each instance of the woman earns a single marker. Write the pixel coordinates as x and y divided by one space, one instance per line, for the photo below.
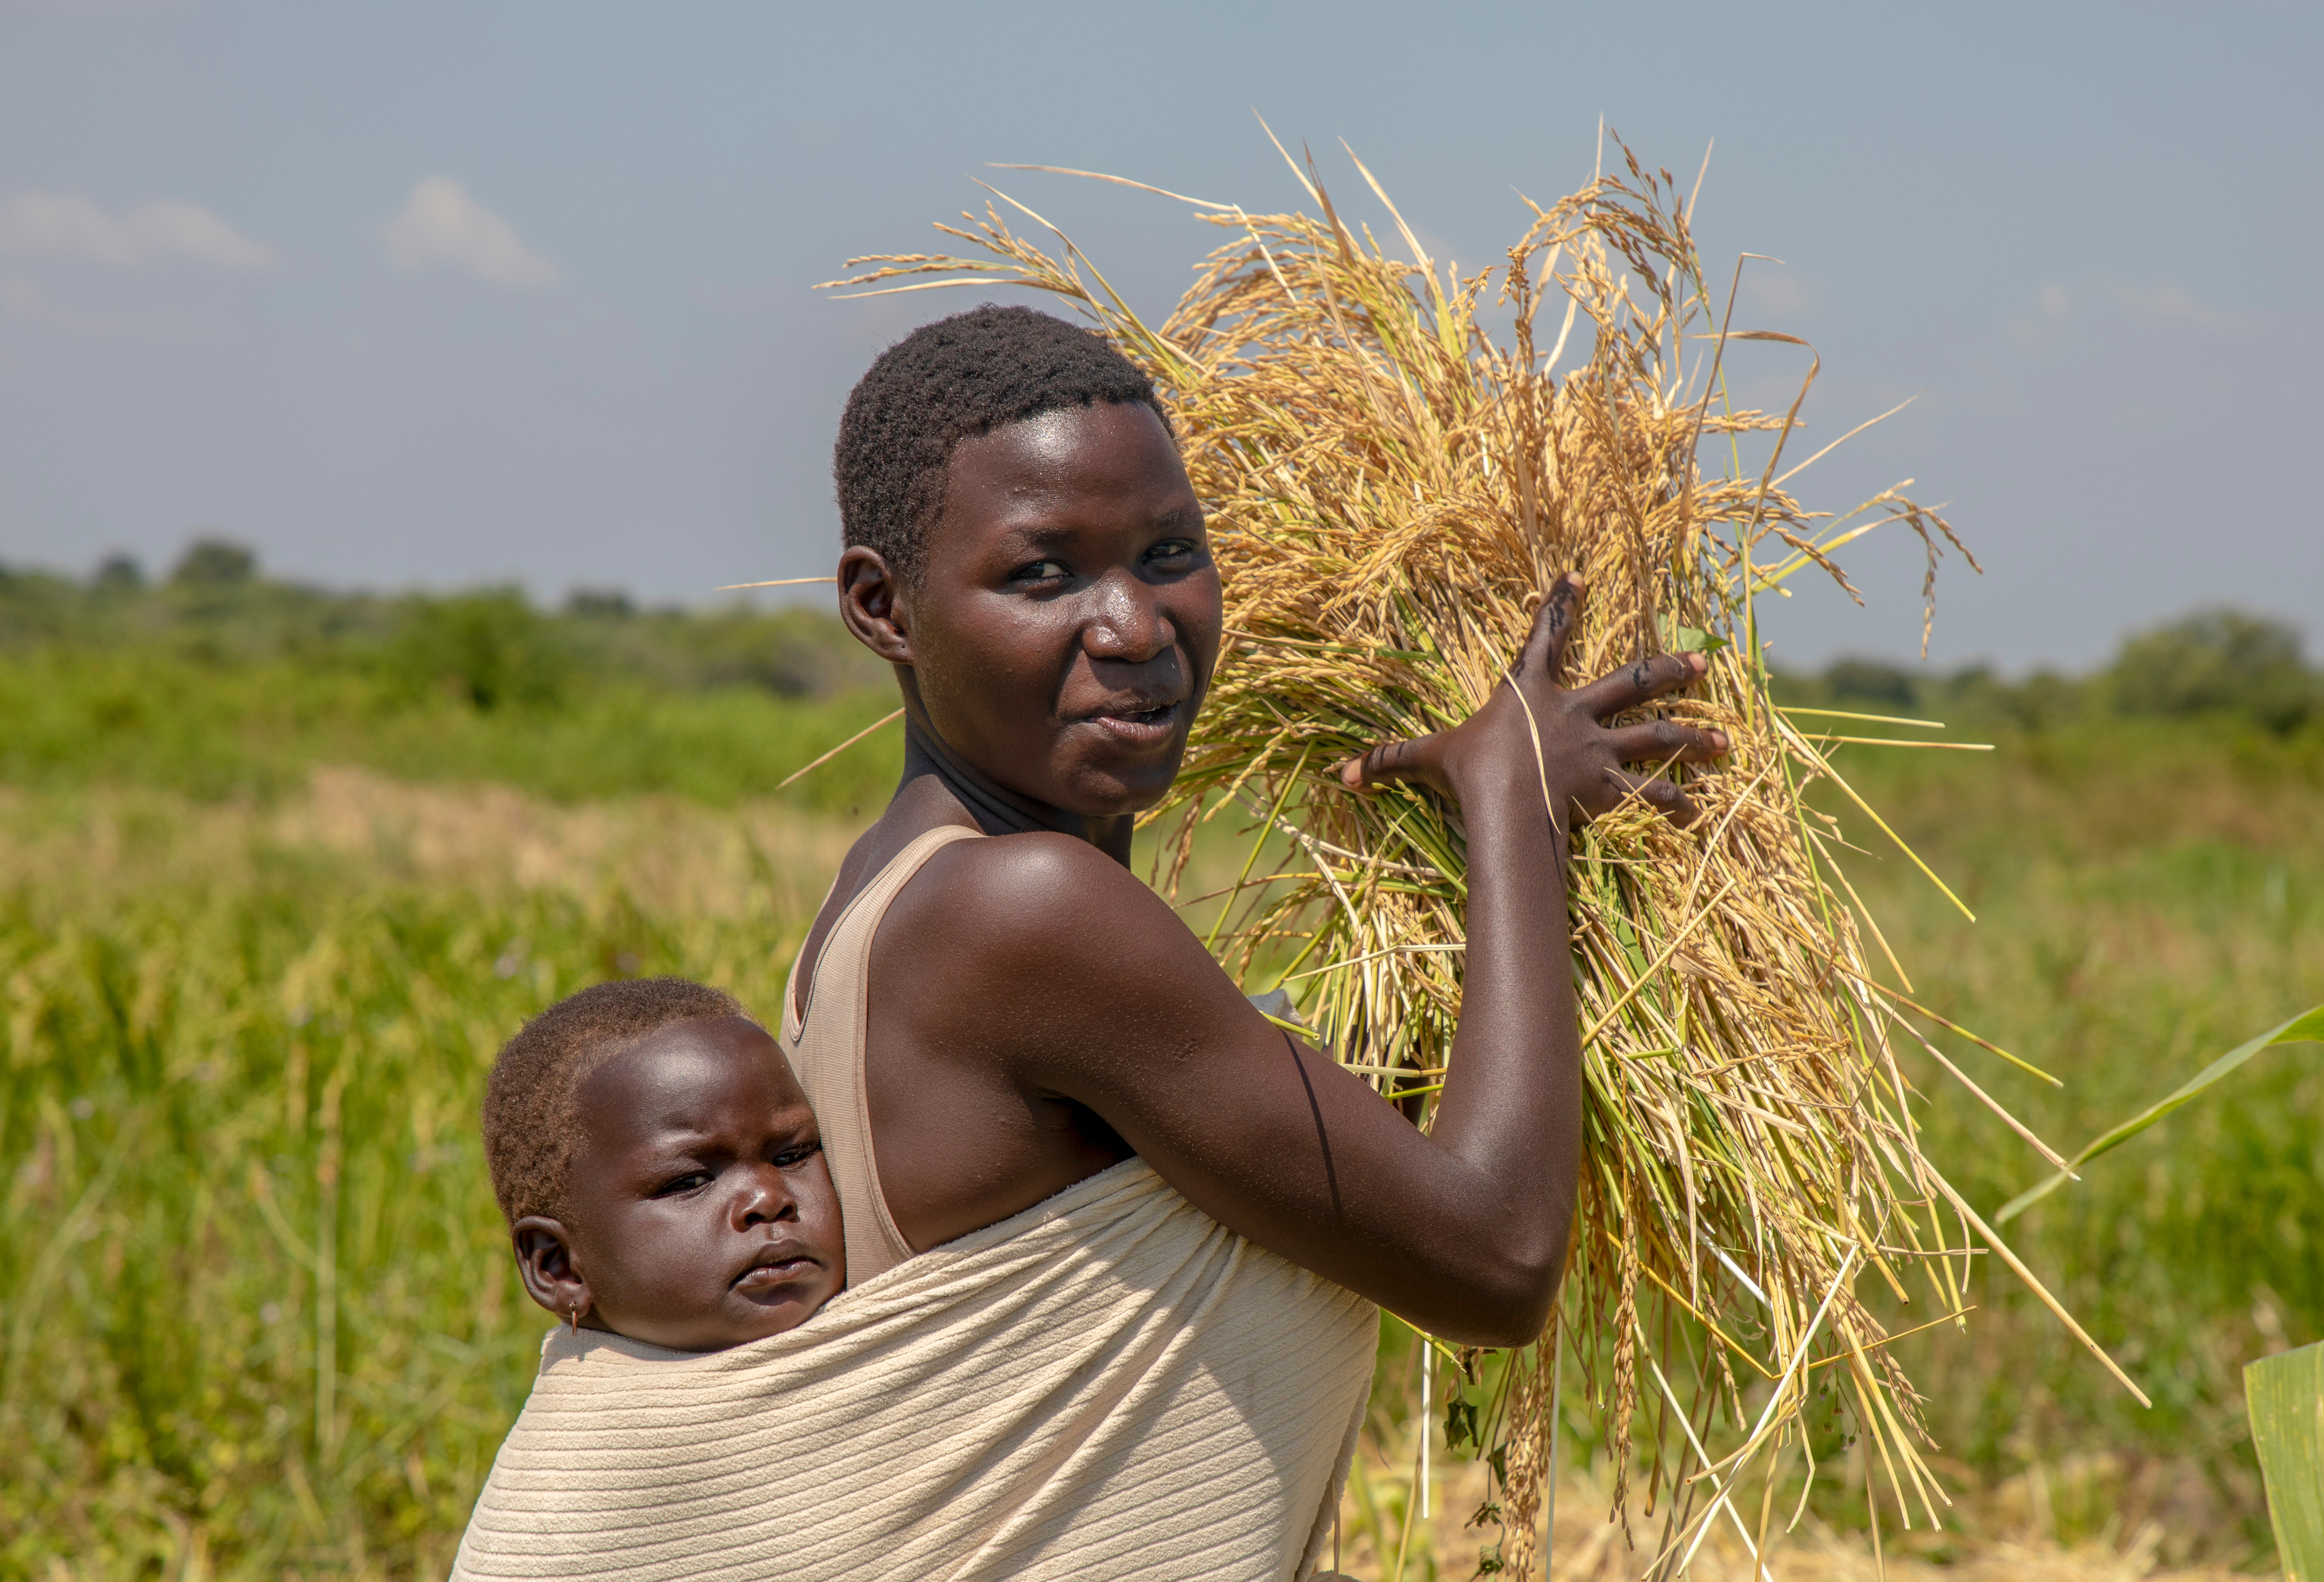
1112 1237
1024 547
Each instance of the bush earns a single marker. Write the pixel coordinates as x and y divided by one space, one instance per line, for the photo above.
216 563
2216 662
488 650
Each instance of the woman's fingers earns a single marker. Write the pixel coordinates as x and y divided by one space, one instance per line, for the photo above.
1416 759
1666 741
1543 654
1663 796
1638 683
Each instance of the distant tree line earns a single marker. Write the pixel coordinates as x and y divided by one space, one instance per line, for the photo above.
490 647
2220 664
493 649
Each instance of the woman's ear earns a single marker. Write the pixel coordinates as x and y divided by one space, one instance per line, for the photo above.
872 603
544 1257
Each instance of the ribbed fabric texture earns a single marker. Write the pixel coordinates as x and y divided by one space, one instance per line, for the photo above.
1108 1385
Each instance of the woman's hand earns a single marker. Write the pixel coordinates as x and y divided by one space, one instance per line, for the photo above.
1534 738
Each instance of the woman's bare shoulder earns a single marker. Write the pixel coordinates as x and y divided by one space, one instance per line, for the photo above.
1037 888
998 927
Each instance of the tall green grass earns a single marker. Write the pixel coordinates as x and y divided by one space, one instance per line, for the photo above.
2148 896
257 1314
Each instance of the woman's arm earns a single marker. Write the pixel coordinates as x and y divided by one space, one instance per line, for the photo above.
1087 988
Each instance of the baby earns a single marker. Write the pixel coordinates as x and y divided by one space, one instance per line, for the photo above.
661 1169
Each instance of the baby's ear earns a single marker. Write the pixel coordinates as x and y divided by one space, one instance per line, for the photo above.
544 1257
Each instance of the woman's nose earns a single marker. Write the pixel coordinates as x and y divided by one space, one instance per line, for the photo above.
1128 621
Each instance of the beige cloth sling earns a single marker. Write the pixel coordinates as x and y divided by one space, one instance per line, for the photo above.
1110 1384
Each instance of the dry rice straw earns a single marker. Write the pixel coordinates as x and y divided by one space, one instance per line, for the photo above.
1393 486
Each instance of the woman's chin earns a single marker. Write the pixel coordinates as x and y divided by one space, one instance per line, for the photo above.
1116 792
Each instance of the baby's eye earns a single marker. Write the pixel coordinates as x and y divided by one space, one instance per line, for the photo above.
1040 571
685 1183
792 1158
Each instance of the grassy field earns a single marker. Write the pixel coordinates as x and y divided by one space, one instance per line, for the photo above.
266 916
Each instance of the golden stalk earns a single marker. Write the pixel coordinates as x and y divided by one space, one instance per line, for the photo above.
1392 489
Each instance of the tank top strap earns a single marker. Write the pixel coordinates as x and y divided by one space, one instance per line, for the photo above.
826 1046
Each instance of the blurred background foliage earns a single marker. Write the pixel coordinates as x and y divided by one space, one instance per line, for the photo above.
219 682
280 867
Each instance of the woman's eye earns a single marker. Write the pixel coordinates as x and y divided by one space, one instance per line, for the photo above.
1039 571
1172 550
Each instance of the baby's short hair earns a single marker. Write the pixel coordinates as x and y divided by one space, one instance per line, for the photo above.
532 1115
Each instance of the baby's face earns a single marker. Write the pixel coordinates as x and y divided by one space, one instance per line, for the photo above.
699 1210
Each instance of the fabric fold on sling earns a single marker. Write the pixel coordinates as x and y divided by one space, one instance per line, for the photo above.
1110 1384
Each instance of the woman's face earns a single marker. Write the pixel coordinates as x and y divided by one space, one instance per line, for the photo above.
1067 616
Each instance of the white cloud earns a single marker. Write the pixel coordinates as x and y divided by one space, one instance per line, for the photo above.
441 223
65 225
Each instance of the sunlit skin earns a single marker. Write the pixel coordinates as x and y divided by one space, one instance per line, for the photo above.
1037 1013
699 1209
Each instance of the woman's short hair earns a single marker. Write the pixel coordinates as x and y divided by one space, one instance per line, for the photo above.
953 380
531 1114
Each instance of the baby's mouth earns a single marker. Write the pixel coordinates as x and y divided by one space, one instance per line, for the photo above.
779 1265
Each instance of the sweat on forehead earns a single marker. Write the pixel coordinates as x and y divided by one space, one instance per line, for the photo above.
531 1115
951 381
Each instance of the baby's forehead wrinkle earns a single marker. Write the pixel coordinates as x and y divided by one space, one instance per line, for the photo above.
677 1129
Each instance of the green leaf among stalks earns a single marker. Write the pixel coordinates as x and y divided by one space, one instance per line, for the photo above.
2307 1027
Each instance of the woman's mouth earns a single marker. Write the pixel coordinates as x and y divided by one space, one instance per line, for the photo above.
1139 727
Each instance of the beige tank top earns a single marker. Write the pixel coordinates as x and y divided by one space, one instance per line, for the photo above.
825 1047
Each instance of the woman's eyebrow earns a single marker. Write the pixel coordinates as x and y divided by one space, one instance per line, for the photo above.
1020 538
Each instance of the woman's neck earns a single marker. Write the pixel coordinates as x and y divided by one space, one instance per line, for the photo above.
996 809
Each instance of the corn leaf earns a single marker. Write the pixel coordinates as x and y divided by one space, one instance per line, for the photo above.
2305 1028
2285 1394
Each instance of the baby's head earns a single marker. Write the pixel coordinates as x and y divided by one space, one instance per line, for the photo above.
661 1169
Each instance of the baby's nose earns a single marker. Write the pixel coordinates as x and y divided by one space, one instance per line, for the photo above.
766 1198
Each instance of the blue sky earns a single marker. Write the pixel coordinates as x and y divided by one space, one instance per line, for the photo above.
438 294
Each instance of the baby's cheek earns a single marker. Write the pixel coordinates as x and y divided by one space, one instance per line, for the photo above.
819 1218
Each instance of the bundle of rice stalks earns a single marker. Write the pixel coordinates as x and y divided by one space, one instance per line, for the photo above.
1394 487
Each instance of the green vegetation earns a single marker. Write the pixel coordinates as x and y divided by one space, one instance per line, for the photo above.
258 1302
2148 895
257 1314
2287 1408
219 684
